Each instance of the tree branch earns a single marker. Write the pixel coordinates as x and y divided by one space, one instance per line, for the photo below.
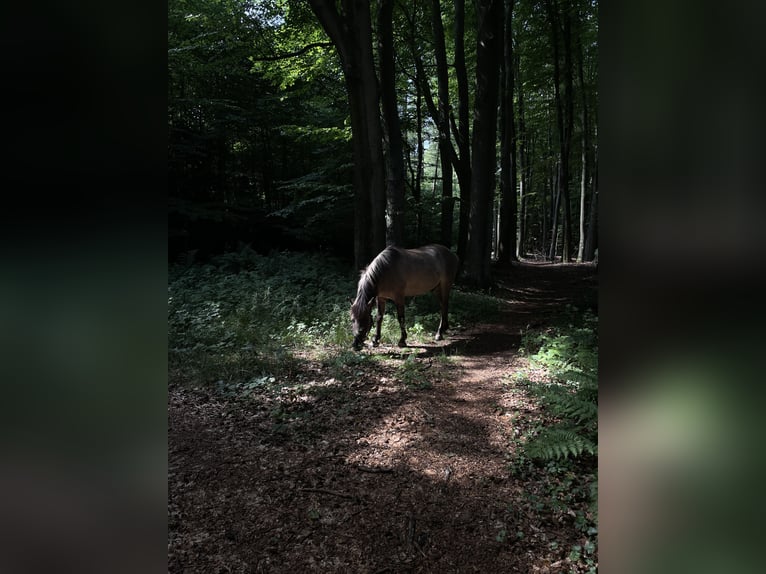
294 54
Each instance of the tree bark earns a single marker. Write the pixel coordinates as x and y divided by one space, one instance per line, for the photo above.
591 240
463 165
506 234
392 129
523 168
417 189
555 204
568 131
442 121
585 142
351 33
563 122
488 51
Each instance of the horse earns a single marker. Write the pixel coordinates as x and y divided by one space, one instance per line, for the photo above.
397 273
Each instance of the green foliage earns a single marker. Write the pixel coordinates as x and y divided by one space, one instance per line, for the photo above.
468 307
422 315
559 443
240 321
342 362
245 313
411 373
252 134
570 354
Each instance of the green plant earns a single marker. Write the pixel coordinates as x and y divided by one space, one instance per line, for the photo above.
245 314
412 373
570 354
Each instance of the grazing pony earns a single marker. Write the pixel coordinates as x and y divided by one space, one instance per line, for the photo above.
398 273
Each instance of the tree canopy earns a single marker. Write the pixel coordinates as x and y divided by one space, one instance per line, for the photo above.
343 126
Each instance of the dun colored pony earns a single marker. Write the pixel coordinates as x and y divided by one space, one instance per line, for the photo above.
398 273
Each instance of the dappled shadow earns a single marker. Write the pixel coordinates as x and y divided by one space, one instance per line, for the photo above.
464 343
348 469
391 479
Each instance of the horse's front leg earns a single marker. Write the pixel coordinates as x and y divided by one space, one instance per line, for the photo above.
400 316
381 312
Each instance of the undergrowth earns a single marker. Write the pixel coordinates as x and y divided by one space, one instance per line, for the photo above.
244 318
561 448
569 396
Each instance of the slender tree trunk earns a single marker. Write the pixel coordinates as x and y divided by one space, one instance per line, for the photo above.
392 128
409 169
585 156
583 192
448 202
523 180
417 189
564 130
506 234
591 241
463 167
555 204
488 52
568 131
442 120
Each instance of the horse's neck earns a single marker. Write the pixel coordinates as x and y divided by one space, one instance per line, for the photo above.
367 290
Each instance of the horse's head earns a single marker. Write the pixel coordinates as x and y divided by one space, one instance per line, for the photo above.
361 321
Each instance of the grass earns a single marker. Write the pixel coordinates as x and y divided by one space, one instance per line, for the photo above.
245 322
245 317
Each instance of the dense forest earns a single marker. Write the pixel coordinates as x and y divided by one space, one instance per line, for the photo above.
346 126
305 137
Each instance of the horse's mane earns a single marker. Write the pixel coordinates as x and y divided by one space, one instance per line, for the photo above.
369 277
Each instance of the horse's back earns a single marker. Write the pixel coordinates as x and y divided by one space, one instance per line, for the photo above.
427 268
446 260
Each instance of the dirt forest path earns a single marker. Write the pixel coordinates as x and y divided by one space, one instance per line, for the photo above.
354 471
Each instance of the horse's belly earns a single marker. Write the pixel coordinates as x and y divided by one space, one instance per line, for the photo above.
419 287
410 289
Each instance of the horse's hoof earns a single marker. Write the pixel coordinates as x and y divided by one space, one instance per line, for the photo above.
438 337
402 343
375 343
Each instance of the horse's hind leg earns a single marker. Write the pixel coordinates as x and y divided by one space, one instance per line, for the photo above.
400 316
381 313
442 295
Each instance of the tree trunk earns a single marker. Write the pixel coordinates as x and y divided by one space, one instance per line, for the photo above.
506 234
351 34
555 203
591 241
564 130
488 51
392 130
417 189
442 121
523 159
463 166
363 249
363 27
568 130
583 191
585 155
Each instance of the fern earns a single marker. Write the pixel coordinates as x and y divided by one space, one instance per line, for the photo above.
559 443
581 405
571 356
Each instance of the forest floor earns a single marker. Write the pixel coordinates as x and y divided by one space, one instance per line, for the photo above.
401 460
